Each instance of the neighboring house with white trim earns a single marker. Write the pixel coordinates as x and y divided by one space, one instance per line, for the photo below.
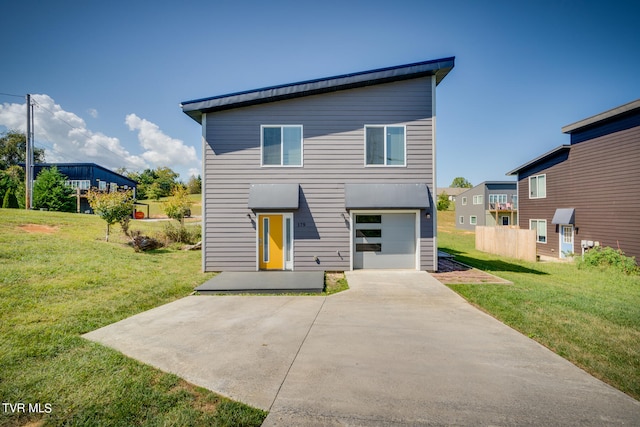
490 203
336 173
586 193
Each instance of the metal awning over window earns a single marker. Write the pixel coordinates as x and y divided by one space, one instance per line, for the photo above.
564 216
273 196
386 196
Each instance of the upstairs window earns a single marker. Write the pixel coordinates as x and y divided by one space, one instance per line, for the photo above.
538 187
478 200
281 145
385 146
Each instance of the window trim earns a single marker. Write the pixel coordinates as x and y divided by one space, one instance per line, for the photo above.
546 235
385 165
478 199
538 187
461 219
473 220
464 201
281 127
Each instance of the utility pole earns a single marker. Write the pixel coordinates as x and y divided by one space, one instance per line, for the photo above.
29 156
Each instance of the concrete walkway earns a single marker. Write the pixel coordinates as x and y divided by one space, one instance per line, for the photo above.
398 348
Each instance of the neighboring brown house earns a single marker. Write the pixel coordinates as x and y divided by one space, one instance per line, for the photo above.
586 193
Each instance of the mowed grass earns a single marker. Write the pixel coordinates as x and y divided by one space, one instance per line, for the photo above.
156 209
60 281
590 317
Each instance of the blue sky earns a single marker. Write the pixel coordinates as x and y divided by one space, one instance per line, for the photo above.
110 75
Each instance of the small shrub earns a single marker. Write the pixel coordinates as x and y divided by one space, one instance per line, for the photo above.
181 234
608 258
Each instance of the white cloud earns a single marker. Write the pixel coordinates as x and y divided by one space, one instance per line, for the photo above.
194 172
93 113
161 149
65 136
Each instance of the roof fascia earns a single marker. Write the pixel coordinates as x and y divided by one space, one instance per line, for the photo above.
589 121
539 159
439 67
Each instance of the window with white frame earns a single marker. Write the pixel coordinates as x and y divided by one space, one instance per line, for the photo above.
478 200
464 200
538 187
385 146
473 220
461 219
540 225
82 184
281 145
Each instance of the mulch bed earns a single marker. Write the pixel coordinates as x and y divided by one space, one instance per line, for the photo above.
453 272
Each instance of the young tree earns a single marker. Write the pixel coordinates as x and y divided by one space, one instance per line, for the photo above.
178 205
194 185
50 192
460 182
12 179
10 201
443 201
112 207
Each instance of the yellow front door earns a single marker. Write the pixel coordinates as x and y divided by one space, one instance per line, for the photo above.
270 242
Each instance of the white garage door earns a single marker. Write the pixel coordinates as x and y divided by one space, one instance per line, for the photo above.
386 240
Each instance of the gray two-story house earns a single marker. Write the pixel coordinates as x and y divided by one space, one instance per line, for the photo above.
490 203
336 173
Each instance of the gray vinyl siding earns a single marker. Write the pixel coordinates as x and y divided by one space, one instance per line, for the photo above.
470 209
333 154
481 211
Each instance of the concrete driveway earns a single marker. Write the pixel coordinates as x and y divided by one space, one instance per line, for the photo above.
398 348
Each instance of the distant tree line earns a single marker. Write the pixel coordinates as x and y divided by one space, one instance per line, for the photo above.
160 182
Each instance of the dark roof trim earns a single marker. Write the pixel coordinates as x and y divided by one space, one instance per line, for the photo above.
614 112
274 196
94 165
439 67
564 216
386 196
539 159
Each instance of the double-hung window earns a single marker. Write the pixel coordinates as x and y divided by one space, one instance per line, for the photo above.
538 187
281 145
478 200
385 146
540 225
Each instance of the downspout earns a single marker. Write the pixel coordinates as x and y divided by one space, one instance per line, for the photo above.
203 192
434 210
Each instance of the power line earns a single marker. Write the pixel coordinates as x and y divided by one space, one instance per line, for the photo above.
11 94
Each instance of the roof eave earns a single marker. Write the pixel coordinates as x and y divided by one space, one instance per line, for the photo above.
589 121
539 159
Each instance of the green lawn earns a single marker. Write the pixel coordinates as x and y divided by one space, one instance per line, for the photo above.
57 284
589 317
155 206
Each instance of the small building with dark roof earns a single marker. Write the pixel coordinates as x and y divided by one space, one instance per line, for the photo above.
85 176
